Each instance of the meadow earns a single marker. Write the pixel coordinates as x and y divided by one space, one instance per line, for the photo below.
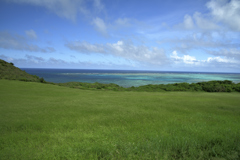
44 121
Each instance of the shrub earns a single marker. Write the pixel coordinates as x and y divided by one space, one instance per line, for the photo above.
237 87
42 80
23 79
208 88
227 82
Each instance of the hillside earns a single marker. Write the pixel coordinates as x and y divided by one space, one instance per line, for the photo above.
10 72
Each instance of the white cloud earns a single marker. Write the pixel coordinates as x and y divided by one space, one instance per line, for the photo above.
68 9
98 5
34 59
18 42
232 53
64 8
30 61
140 53
100 25
217 59
189 59
197 22
117 47
123 22
224 61
126 50
8 59
185 59
226 11
204 23
175 56
56 61
84 47
203 41
210 62
31 34
188 22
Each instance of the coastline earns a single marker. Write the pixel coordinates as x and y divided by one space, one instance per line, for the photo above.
129 78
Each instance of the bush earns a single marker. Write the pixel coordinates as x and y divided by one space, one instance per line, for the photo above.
208 88
227 82
42 80
237 87
23 79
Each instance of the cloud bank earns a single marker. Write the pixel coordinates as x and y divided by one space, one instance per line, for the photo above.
19 42
122 49
226 12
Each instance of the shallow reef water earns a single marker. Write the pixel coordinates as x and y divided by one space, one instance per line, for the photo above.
127 78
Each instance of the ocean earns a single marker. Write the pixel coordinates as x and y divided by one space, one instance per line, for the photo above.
128 78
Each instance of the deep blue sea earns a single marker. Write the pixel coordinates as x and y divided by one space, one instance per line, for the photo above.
128 78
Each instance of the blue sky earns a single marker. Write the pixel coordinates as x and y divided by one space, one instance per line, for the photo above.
186 35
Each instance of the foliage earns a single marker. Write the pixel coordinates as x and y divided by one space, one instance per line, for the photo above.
96 85
211 86
43 121
42 80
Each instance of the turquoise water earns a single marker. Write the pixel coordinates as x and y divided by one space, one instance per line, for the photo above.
129 78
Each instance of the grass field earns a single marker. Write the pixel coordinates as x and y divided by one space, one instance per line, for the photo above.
43 121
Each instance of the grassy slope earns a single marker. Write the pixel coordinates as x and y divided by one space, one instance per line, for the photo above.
9 71
42 121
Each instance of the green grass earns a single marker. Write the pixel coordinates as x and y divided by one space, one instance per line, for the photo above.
10 72
43 121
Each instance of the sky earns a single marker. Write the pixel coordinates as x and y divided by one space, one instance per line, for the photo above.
163 35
